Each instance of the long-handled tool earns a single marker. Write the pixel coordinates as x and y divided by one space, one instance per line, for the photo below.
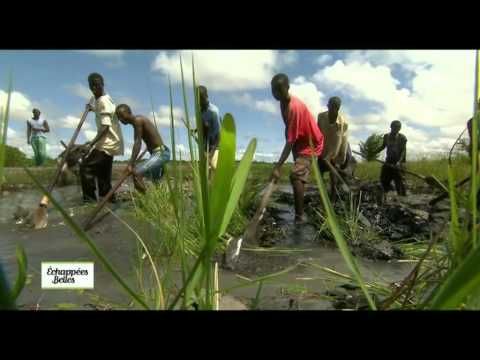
334 171
249 236
88 223
430 180
40 215
446 194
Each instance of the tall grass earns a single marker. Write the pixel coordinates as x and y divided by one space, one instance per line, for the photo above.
9 295
194 231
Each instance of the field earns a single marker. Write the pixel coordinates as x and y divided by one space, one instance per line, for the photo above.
182 228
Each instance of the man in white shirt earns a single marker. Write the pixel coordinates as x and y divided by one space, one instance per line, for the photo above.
36 129
334 128
107 143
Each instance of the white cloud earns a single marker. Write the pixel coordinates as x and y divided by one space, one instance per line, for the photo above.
71 122
20 105
162 116
439 97
133 103
114 57
289 57
221 70
308 92
323 59
265 105
80 90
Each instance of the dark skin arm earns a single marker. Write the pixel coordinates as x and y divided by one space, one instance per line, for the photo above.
401 162
46 127
384 145
287 149
138 135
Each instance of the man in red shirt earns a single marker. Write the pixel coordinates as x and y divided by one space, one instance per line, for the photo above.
300 129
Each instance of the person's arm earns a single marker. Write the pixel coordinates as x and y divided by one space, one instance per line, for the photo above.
137 135
29 133
403 154
384 144
292 135
342 155
46 128
287 149
100 135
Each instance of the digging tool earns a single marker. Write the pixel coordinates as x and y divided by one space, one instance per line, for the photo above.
232 250
430 180
40 216
445 194
87 224
334 171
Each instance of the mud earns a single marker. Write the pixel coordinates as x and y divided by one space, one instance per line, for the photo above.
304 287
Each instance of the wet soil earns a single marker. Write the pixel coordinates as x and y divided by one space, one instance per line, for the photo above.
304 287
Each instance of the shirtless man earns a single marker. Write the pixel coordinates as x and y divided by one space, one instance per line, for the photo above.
160 154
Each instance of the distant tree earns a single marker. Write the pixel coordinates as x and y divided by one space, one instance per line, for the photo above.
15 157
369 148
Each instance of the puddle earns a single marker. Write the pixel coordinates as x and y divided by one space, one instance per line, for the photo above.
302 288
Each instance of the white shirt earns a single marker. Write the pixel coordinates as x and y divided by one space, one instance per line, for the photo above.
37 125
335 137
104 108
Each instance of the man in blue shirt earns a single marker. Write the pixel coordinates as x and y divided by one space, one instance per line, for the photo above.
211 126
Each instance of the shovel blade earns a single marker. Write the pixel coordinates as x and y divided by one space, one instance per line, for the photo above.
40 218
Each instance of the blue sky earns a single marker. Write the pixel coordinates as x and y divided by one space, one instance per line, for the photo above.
431 92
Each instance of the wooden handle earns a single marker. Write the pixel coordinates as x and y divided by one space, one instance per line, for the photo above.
252 225
69 147
109 195
335 172
105 199
394 167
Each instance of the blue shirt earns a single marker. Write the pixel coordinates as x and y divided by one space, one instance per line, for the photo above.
211 126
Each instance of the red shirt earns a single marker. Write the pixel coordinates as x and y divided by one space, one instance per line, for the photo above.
301 127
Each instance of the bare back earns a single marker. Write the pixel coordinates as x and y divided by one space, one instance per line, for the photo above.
149 133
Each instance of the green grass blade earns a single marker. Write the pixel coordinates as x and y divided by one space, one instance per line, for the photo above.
238 184
454 231
222 180
161 300
474 181
340 240
22 273
457 286
82 235
5 114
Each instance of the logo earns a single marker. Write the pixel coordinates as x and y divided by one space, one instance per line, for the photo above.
67 275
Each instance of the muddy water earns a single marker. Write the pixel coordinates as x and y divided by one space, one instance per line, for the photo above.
301 288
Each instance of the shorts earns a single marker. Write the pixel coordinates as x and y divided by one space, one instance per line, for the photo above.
301 169
153 167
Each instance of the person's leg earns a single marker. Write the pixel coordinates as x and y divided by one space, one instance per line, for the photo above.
385 178
298 194
399 183
35 147
298 178
42 150
88 169
104 174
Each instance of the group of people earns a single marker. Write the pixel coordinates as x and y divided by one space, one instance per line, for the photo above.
325 137
96 165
